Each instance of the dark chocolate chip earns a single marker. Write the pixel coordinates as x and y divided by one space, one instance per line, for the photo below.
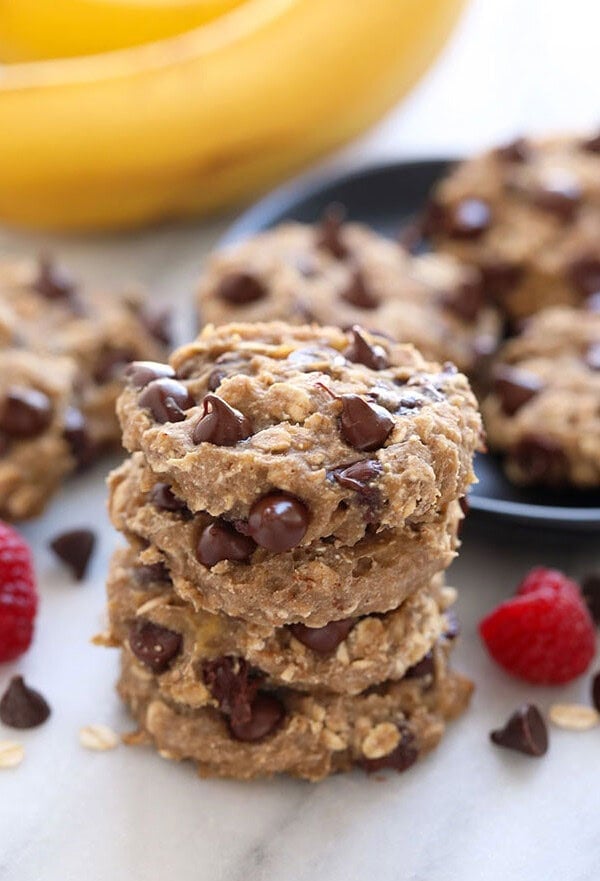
357 292
464 505
220 424
466 301
111 364
539 457
77 436
592 145
561 198
240 288
140 373
433 219
157 322
515 387
364 426
592 356
359 475
329 232
162 496
219 541
524 732
155 646
590 588
25 413
400 759
166 399
584 273
278 522
360 351
499 277
146 574
468 219
323 640
75 549
266 716
21 706
233 685
515 151
424 667
53 282
596 691
216 377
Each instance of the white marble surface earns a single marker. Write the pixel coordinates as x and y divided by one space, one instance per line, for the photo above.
470 811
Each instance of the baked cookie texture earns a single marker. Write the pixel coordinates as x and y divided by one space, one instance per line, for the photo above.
290 503
63 353
344 274
527 216
543 411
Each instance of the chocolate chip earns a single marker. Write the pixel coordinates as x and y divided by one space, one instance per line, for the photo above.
166 399
155 646
76 434
323 640
433 219
466 301
25 413
157 322
329 233
596 691
524 732
359 475
219 541
21 706
592 145
140 373
464 505
240 288
220 424
146 574
590 588
499 277
357 292
515 387
559 197
111 364
592 356
515 151
278 522
468 219
162 496
233 685
539 457
400 759
363 425
360 351
584 273
52 281
75 549
424 667
266 716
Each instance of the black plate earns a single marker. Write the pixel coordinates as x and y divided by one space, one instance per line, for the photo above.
386 197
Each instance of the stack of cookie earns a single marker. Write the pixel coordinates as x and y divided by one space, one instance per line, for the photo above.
61 355
291 501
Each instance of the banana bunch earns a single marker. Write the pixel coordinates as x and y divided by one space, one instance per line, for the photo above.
195 122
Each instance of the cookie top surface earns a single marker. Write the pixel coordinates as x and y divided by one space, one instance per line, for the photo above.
299 274
250 413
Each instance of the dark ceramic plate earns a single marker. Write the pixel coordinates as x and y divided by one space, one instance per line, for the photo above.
386 197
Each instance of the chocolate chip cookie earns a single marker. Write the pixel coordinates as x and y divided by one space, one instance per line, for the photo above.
527 215
543 412
346 274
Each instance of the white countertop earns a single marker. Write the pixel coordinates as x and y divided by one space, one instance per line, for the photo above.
469 811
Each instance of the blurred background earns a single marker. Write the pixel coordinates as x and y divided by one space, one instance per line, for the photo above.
506 68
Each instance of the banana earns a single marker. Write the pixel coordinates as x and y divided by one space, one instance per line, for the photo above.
197 122
37 29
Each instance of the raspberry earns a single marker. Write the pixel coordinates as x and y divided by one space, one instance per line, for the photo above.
545 634
18 596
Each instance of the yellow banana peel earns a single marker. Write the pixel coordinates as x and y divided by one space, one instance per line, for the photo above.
31 30
199 121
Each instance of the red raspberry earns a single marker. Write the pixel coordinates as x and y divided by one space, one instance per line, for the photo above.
18 596
545 634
